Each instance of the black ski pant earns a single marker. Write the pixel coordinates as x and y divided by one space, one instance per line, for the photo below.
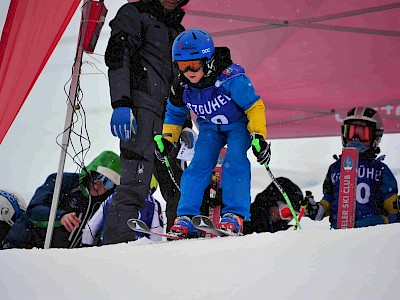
137 158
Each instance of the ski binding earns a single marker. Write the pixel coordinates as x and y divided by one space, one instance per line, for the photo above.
205 224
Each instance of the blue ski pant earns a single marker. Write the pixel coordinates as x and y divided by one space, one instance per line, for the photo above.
236 170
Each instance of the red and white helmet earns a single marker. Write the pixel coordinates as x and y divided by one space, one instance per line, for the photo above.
366 117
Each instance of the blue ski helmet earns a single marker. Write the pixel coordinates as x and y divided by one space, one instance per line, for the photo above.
193 44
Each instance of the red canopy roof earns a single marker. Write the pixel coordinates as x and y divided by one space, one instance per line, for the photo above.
310 61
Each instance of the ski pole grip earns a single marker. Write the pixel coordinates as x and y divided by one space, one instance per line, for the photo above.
256 144
158 139
160 145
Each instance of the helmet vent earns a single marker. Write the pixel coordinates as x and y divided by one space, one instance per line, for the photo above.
369 112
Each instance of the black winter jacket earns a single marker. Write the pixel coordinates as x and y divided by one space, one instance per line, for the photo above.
139 55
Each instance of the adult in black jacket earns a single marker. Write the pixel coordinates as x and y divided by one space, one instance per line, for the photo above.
140 73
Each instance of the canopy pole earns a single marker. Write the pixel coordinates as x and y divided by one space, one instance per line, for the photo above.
67 126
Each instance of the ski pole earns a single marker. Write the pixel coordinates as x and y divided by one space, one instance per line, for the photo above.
301 213
256 144
160 145
304 204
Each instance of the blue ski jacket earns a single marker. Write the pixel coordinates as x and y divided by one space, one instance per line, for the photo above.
376 193
231 99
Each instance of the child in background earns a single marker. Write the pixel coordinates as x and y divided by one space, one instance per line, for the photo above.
376 195
151 215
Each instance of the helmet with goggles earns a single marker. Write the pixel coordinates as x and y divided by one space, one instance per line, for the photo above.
194 49
11 207
363 124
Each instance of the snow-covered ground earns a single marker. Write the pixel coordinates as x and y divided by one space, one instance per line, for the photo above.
313 263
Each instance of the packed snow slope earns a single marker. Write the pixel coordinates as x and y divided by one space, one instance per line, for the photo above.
312 263
29 152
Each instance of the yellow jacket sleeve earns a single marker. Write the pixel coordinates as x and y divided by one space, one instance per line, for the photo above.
174 130
257 120
389 204
327 207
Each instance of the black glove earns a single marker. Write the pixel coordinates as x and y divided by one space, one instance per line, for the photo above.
264 155
166 147
315 211
306 200
176 93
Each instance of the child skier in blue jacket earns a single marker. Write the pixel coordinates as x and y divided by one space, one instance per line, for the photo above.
229 112
376 196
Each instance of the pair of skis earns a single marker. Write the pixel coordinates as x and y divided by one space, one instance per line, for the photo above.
202 223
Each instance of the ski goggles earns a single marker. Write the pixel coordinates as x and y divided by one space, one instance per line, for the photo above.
362 132
285 213
105 181
189 65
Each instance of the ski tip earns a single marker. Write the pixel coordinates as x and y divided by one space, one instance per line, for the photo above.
136 224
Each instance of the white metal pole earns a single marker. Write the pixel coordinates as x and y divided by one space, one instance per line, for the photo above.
67 126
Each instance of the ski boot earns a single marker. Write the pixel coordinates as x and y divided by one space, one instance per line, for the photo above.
231 222
183 226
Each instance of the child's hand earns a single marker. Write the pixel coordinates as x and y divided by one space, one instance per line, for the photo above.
261 150
163 147
176 93
69 221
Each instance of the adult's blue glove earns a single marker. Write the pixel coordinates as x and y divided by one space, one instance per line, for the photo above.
123 123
